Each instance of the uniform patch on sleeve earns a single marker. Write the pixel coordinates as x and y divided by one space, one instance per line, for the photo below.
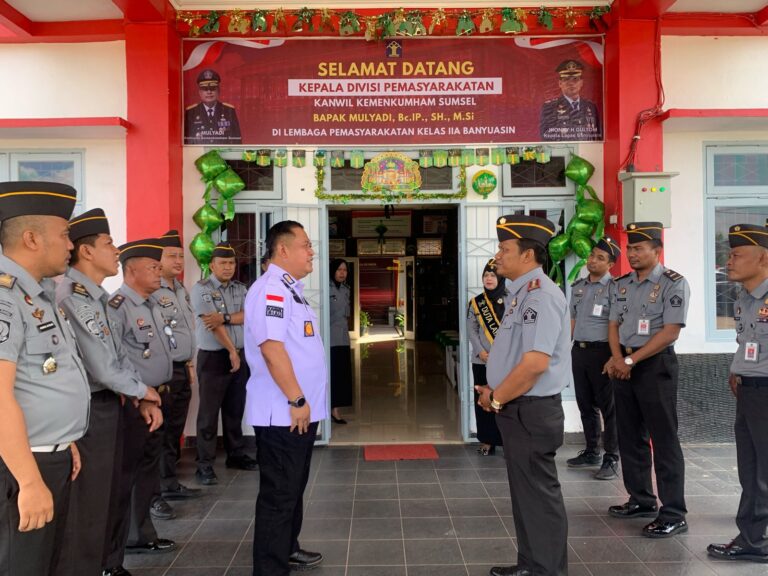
274 311
117 301
206 297
275 298
534 284
7 281
676 301
309 330
5 330
78 288
529 316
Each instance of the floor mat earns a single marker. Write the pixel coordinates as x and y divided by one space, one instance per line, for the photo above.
400 452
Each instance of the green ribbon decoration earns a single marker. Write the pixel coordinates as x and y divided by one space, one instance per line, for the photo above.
304 16
259 21
348 24
207 218
202 247
213 22
210 165
228 183
466 25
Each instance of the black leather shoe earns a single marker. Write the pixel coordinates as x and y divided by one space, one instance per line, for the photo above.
735 552
181 492
161 510
206 476
510 571
159 546
632 510
338 420
304 560
663 529
119 571
243 462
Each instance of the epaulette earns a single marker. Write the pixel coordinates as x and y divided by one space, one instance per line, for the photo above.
227 105
7 281
206 282
579 281
192 106
116 301
78 288
622 277
672 275
534 284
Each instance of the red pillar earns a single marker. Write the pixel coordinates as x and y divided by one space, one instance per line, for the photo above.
154 160
630 87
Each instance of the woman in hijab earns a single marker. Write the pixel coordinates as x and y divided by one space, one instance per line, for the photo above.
484 316
341 363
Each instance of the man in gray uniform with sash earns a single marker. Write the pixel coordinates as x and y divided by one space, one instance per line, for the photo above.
748 264
110 375
139 324
179 328
528 366
44 395
222 372
590 308
649 309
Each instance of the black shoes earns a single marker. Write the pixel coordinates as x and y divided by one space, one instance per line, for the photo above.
159 546
610 468
243 462
338 420
632 510
206 476
584 459
181 492
161 510
119 571
510 571
664 529
304 560
735 552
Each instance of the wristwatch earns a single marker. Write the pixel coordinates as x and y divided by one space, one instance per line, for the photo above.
495 404
298 402
628 361
227 318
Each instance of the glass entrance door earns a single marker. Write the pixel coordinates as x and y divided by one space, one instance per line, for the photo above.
406 294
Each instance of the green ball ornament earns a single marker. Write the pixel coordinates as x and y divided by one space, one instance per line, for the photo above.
591 211
579 170
582 245
558 247
228 183
210 165
207 218
577 227
202 247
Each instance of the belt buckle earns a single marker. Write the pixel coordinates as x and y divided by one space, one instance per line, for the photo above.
629 350
163 388
582 344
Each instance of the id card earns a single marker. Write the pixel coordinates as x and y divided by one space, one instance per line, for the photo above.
751 351
597 310
643 327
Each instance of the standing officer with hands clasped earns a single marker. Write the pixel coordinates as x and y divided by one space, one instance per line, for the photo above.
44 395
528 366
748 264
590 308
648 311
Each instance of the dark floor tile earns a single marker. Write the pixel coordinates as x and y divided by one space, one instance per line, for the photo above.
471 507
335 476
423 508
690 568
438 570
713 504
179 530
578 507
427 528
415 465
454 463
376 476
376 491
658 550
422 476
325 528
188 571
205 554
376 553
363 466
152 560
244 555
334 551
451 450
487 527
239 571
328 509
221 530
233 509
493 475
376 509
332 492
148 571
458 476
376 571
625 569
602 550
509 524
495 489
432 552
590 488
420 491
499 551
376 529
588 526
464 490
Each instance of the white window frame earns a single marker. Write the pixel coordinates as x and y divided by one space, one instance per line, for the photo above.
514 194
10 159
278 178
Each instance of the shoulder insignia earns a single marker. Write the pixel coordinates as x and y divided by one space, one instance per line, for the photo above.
287 280
78 288
228 105
534 284
206 282
116 301
672 275
191 106
622 277
7 281
579 281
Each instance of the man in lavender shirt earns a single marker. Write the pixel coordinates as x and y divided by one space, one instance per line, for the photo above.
286 397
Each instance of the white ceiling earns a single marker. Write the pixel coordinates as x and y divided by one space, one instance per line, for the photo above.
748 6
67 10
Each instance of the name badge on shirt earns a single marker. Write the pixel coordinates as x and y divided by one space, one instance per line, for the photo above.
309 330
751 351
597 310
643 327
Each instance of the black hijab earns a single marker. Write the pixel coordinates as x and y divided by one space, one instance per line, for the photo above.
335 263
495 296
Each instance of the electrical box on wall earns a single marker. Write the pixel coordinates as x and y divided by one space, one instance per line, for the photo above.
647 197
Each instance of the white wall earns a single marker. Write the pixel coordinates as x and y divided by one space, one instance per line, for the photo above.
63 80
715 72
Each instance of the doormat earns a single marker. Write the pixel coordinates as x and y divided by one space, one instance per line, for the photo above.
400 452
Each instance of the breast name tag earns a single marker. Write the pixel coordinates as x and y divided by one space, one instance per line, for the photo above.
751 351
643 327
597 310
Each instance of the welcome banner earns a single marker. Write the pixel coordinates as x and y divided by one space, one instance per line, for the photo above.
395 92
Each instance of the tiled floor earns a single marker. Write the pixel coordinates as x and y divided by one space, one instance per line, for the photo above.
447 517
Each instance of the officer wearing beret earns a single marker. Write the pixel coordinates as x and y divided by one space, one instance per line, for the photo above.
139 324
211 121
222 372
569 116
528 366
748 264
649 309
590 309
44 395
110 375
179 328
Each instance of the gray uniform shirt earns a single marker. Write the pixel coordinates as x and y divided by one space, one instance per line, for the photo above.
178 327
339 310
139 326
34 330
104 357
662 298
587 299
210 295
536 319
751 316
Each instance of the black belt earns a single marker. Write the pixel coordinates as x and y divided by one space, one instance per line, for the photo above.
164 389
527 399
181 364
629 349
753 381
221 351
580 344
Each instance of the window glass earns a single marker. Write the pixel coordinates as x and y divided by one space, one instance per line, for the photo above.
532 174
740 169
46 166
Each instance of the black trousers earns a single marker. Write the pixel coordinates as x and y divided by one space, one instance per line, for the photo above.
175 407
487 430
34 553
220 390
646 412
532 429
594 394
341 376
88 516
752 454
284 458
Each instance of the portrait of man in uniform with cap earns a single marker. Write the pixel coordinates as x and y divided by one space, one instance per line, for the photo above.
569 116
211 121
